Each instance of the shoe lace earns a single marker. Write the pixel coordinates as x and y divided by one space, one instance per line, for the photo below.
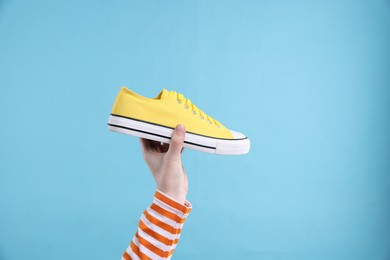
195 110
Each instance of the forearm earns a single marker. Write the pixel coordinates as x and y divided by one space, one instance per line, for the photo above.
159 229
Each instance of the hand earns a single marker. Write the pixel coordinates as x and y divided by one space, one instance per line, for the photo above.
164 161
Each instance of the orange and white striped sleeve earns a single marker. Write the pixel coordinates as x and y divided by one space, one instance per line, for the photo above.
159 229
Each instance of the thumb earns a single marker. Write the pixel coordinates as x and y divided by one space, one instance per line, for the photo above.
177 140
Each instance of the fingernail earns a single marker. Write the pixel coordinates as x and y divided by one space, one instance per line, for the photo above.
180 128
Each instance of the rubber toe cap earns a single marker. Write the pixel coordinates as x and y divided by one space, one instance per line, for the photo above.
237 135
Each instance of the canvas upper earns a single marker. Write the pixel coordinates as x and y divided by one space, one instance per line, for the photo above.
168 109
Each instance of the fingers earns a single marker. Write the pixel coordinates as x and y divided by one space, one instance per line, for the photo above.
153 146
144 144
148 145
177 140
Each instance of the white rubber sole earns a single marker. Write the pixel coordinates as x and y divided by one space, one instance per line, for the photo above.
239 145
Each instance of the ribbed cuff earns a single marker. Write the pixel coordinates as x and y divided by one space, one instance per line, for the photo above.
183 208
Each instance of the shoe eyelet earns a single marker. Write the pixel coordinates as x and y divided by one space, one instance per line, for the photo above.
209 122
178 101
193 112
201 117
218 126
186 107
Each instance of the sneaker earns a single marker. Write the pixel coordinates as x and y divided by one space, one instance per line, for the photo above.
155 119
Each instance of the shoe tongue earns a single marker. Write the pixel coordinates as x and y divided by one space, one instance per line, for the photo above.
163 94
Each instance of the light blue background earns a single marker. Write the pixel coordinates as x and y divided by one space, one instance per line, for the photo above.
307 81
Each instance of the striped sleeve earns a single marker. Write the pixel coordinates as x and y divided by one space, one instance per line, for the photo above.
159 229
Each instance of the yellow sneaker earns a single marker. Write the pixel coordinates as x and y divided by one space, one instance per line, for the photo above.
155 119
